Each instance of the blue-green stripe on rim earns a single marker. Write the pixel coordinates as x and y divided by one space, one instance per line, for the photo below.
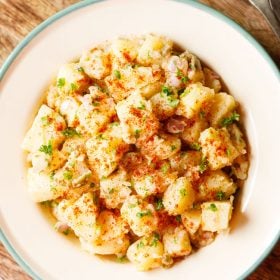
85 3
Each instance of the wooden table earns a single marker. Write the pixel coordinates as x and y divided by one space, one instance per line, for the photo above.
17 18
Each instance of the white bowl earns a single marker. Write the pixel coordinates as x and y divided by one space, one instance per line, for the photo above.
248 72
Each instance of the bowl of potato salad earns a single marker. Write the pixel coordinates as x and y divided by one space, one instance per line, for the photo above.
142 147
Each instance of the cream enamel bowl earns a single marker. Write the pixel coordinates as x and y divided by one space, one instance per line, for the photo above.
251 77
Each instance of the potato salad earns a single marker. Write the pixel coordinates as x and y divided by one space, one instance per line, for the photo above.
138 151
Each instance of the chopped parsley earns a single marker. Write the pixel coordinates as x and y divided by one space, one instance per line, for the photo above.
67 175
165 167
180 75
73 86
140 244
159 204
66 232
195 146
70 132
130 206
166 90
183 192
228 152
173 102
186 92
80 69
111 190
52 175
178 218
143 214
137 133
47 149
45 120
227 121
61 82
213 207
173 147
220 195
117 74
142 106
155 240
203 165
121 259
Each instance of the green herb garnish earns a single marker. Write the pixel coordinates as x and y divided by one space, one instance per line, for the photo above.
183 192
220 195
195 146
203 165
159 204
61 82
213 207
117 74
227 121
166 90
67 175
47 149
143 214
70 132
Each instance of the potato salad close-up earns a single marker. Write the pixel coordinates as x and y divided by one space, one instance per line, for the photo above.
138 151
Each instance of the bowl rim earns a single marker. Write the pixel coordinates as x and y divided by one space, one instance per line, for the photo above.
39 28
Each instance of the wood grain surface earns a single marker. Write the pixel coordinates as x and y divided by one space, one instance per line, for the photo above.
18 18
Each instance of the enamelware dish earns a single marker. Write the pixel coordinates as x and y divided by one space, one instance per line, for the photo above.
251 77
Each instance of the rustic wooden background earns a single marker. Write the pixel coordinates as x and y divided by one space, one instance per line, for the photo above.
18 18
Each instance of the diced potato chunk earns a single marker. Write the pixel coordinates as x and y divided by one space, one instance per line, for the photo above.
217 147
191 219
191 133
115 189
68 108
146 253
74 173
45 133
240 167
42 187
110 235
153 49
72 79
138 122
94 114
140 215
176 242
80 215
106 150
179 196
216 185
96 63
186 163
125 80
124 50
196 98
216 215
164 106
161 146
222 105
156 182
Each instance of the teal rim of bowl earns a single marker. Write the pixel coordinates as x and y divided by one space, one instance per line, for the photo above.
83 4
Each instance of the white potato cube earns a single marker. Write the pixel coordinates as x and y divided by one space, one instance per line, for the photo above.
72 79
115 189
237 138
96 63
46 131
105 151
110 235
216 215
161 146
140 215
222 105
217 147
216 185
179 196
191 219
191 133
41 186
154 49
138 121
176 242
93 115
125 80
146 253
124 50
196 98
69 108
80 215
164 106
